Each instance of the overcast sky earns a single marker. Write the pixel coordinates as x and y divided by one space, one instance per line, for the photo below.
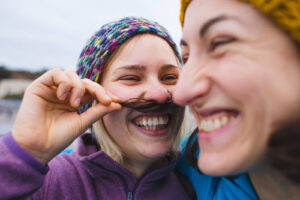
38 34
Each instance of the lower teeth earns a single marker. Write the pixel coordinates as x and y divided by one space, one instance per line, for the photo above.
153 127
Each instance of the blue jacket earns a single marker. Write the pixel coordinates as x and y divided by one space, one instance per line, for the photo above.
218 188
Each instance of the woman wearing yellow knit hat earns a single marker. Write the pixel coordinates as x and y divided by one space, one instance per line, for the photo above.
241 80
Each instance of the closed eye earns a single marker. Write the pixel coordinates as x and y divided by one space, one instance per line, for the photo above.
170 79
129 78
219 41
184 59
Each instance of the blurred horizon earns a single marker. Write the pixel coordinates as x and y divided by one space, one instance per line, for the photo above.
39 35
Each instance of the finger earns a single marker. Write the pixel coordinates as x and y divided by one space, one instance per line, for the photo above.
97 91
56 77
113 97
86 99
63 91
78 88
96 112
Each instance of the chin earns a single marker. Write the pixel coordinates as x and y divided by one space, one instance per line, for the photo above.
156 155
226 167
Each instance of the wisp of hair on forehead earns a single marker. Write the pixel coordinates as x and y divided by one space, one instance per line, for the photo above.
143 105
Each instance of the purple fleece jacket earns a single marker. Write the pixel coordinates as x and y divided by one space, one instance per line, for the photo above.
84 174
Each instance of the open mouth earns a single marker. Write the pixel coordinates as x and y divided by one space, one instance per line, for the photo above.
152 122
216 121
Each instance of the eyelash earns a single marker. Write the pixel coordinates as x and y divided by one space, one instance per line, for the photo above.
220 41
129 78
213 45
167 77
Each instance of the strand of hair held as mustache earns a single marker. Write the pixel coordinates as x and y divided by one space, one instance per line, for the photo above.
143 105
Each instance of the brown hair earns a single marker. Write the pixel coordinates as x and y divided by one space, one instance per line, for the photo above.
191 149
283 150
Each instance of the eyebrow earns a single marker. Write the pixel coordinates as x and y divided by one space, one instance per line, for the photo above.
143 68
207 25
168 66
131 68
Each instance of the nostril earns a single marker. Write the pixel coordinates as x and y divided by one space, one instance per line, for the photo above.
170 95
159 95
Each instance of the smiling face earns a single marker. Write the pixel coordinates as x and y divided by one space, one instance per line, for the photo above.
241 79
144 67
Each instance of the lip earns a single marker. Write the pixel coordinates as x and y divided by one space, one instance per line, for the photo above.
159 132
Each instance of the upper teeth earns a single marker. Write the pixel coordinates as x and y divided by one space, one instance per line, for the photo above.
152 121
209 125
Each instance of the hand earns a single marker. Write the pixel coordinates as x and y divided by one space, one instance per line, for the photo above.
47 121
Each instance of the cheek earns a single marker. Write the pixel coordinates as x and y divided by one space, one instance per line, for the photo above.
124 92
107 120
240 81
269 89
171 89
110 121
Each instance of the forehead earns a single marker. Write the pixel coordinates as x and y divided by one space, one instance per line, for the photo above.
143 50
201 11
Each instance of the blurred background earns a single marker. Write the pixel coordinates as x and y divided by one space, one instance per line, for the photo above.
37 35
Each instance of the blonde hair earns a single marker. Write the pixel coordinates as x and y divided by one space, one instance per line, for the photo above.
107 144
110 147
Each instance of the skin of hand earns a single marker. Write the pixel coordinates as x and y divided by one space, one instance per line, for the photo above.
47 121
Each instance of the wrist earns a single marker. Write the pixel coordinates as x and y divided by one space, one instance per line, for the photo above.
23 154
39 155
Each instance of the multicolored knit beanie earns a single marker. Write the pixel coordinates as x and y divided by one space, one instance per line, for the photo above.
111 36
285 13
106 41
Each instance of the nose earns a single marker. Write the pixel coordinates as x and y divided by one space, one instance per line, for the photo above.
157 91
193 83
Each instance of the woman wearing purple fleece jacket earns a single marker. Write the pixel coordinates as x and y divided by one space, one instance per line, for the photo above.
133 147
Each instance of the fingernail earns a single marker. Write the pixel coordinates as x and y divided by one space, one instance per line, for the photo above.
115 97
107 97
77 101
64 96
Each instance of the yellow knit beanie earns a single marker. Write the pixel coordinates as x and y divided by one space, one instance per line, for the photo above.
286 13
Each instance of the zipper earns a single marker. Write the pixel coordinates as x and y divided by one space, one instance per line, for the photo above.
129 196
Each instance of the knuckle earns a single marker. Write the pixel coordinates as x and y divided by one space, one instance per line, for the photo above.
70 71
56 70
